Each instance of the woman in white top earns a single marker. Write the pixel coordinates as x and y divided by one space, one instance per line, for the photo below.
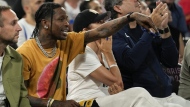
89 71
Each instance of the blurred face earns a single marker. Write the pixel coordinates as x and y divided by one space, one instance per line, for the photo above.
95 5
34 6
60 24
10 30
128 6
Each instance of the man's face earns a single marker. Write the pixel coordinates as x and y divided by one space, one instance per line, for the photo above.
60 24
95 5
10 30
129 6
34 6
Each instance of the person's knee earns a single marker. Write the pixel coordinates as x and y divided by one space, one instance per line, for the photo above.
138 90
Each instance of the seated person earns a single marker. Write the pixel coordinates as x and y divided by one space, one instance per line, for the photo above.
13 92
141 54
88 71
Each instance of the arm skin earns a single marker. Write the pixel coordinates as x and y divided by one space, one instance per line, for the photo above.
105 30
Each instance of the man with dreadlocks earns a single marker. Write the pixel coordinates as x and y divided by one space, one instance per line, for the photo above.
52 48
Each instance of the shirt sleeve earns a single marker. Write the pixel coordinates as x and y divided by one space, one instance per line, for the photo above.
26 63
75 45
84 64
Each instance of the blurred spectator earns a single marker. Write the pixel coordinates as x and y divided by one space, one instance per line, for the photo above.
91 4
3 3
178 18
184 87
72 9
139 54
27 23
185 4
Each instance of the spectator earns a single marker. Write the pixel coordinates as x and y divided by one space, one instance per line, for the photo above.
178 18
13 92
186 9
139 54
27 23
91 4
72 8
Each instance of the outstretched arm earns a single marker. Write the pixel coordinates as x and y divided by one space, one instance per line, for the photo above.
111 27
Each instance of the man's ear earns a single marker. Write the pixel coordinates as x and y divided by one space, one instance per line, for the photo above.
45 23
117 8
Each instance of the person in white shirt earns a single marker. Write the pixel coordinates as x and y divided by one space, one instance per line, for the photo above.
89 71
27 23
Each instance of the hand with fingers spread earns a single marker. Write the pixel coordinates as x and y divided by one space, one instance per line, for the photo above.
114 89
68 103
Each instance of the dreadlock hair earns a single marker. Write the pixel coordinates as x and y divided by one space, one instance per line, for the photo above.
45 11
109 4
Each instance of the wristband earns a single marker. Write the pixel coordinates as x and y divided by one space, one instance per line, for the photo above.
51 102
129 18
165 30
48 103
113 65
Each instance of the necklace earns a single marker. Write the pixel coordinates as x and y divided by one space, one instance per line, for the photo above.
47 54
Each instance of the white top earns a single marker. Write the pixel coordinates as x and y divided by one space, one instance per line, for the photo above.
2 93
80 85
72 12
26 31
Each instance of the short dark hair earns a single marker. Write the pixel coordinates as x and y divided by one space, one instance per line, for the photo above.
45 11
109 4
3 8
85 5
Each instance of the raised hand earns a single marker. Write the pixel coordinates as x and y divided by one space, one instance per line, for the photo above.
160 15
68 103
